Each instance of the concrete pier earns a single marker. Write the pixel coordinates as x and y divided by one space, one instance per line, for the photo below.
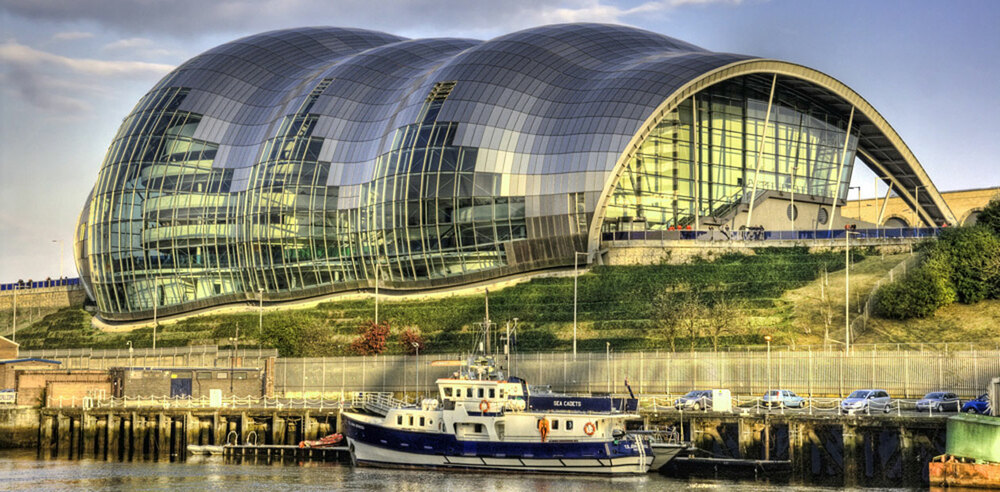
839 450
845 450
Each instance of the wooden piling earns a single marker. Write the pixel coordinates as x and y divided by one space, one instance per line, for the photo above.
852 440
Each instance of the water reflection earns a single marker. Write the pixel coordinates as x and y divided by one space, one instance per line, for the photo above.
21 470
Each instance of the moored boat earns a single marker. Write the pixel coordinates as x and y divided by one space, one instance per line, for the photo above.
483 420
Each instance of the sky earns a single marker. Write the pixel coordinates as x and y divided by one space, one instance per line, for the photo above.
71 70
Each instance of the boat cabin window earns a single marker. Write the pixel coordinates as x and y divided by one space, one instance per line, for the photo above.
468 392
501 392
555 424
411 419
447 391
569 425
399 420
480 392
421 421
493 393
479 428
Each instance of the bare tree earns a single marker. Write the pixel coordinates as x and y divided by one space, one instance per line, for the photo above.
666 310
692 313
722 317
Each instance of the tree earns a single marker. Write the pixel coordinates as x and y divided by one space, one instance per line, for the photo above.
409 337
666 311
372 338
692 312
722 317
989 216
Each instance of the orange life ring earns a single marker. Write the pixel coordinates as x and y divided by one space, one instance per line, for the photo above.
589 428
543 428
484 406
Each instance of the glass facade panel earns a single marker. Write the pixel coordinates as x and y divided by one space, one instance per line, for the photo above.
702 157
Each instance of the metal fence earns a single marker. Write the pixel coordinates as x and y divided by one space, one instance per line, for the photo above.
860 324
192 356
903 373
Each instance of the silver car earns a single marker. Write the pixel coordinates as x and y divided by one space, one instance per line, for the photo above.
867 400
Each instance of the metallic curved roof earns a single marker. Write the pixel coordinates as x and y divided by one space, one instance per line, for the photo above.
549 100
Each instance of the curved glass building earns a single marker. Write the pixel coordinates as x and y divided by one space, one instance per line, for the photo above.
305 162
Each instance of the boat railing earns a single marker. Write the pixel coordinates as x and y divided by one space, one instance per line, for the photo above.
376 402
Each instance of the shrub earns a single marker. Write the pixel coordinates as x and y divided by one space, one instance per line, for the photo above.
973 257
917 295
989 217
372 338
408 338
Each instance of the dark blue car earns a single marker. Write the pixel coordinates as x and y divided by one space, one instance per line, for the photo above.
979 405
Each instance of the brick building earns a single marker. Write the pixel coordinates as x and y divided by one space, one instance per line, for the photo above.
44 386
8 348
8 378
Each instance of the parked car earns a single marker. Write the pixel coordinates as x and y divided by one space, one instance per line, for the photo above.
695 400
867 400
782 398
978 405
938 401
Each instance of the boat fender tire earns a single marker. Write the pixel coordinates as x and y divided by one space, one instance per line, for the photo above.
589 428
484 406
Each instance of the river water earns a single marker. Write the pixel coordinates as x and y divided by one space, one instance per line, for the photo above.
21 470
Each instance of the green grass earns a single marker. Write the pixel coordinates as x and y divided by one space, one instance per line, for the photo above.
614 305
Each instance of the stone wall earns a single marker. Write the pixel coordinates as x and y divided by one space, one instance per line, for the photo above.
18 428
44 298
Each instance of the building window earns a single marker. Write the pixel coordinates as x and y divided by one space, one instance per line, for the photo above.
239 375
204 375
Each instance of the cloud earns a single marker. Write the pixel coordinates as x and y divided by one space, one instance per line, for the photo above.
71 36
184 18
129 44
11 52
63 84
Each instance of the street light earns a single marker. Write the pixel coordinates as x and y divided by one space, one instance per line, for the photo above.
14 336
260 318
847 290
156 302
60 241
849 188
576 254
232 360
767 338
417 363
376 290
129 342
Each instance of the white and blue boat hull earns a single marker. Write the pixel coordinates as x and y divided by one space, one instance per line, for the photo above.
374 445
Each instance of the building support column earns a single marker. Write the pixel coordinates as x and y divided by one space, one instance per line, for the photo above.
840 170
760 150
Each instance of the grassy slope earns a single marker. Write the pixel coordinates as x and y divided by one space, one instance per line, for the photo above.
781 290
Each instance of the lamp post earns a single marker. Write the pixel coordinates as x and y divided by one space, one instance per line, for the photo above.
608 358
767 338
260 317
232 360
14 336
60 241
849 188
847 290
376 290
156 303
129 342
576 255
416 385
791 214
